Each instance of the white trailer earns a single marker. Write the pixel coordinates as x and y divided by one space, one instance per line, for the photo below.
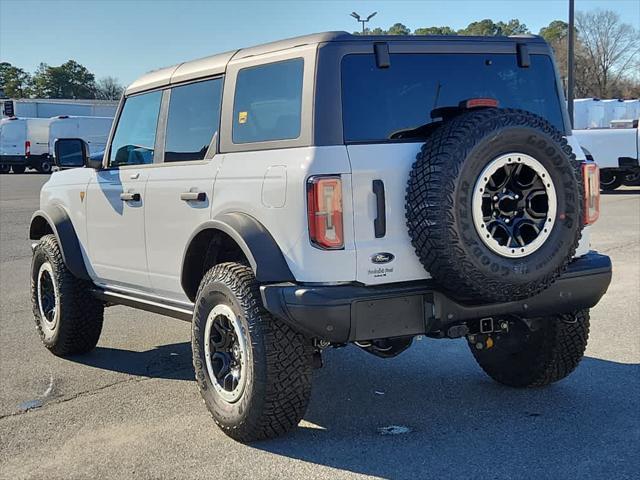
93 130
24 142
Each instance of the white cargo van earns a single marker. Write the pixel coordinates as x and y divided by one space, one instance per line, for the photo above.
24 142
93 130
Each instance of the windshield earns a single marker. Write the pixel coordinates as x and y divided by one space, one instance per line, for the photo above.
378 102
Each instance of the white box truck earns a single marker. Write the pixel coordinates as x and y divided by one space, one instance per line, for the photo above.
24 142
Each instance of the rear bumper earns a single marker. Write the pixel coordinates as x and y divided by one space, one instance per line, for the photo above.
346 313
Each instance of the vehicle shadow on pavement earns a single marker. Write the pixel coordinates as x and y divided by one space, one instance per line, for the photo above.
171 362
461 424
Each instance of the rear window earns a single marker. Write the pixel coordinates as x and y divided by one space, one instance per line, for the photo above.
378 102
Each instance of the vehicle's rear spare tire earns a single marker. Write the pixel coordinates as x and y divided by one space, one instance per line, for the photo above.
494 205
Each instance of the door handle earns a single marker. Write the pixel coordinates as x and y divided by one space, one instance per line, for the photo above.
380 222
193 196
130 197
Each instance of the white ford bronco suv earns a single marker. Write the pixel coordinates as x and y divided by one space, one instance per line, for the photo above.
326 190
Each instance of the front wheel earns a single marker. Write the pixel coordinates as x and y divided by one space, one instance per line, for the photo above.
536 353
253 371
68 318
4 168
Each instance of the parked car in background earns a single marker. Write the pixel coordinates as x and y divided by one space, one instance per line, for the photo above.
24 142
615 150
29 142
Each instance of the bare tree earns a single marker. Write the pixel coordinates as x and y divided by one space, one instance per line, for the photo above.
108 88
609 49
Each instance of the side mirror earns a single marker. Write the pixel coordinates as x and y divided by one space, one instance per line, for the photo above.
73 153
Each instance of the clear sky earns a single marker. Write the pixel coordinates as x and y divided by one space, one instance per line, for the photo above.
126 38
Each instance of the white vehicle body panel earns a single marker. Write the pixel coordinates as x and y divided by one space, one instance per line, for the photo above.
246 183
93 130
607 145
390 163
63 189
170 221
116 243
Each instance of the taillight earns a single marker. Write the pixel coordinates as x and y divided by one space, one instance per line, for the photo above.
591 177
27 148
324 212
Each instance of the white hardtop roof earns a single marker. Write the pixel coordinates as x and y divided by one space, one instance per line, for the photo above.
217 64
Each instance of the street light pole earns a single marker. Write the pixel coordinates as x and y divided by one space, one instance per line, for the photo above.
363 21
570 68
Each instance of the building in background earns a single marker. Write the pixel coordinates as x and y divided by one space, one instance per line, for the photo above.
46 108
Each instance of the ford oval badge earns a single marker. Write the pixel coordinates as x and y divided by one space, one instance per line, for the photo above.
382 257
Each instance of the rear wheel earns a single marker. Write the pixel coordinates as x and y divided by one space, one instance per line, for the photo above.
610 180
535 355
632 179
253 371
18 168
68 318
4 168
45 166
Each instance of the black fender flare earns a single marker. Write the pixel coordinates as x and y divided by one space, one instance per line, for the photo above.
255 241
56 218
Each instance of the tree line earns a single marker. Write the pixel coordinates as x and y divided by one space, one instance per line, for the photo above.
607 59
607 50
69 80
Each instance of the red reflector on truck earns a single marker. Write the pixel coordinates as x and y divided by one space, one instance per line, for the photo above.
324 212
591 178
27 148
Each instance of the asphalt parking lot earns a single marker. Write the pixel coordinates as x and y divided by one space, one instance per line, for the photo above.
131 409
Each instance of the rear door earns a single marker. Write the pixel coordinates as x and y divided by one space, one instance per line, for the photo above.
12 137
383 107
179 190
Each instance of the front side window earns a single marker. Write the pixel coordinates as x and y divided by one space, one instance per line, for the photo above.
135 137
193 120
268 102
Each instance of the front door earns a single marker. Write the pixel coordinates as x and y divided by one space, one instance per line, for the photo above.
116 198
115 227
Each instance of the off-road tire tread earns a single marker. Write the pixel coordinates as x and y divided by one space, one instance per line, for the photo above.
432 185
564 342
288 354
81 314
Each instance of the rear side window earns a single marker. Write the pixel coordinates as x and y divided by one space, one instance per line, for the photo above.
135 137
268 102
193 120
378 102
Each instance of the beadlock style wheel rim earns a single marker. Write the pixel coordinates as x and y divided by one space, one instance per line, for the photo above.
226 353
514 205
48 299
